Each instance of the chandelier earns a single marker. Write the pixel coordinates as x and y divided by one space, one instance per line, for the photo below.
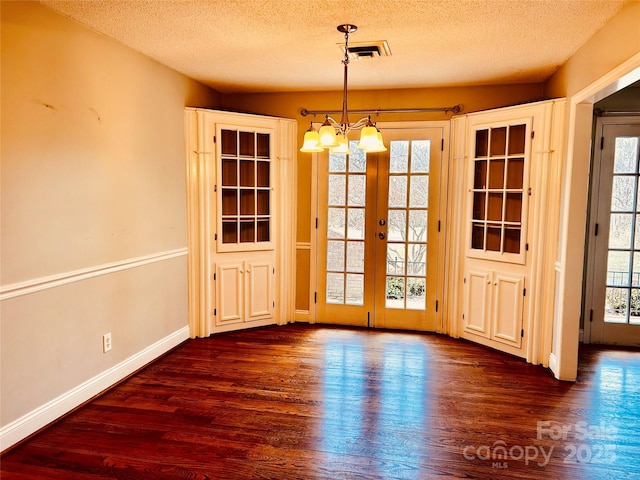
332 135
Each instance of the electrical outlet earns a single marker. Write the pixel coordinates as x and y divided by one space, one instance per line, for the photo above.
106 342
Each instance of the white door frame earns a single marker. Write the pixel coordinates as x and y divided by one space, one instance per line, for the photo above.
563 360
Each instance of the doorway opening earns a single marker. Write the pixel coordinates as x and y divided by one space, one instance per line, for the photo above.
611 299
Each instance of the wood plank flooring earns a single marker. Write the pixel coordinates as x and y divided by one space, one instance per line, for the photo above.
311 402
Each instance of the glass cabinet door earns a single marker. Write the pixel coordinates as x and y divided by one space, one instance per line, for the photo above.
498 192
245 219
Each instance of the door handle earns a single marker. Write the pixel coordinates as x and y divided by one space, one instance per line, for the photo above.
381 235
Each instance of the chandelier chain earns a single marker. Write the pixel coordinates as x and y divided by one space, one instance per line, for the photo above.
346 48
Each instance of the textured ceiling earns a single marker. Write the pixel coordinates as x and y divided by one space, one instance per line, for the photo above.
287 45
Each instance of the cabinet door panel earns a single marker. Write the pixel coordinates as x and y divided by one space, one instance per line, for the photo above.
499 179
478 303
243 215
229 292
258 281
507 316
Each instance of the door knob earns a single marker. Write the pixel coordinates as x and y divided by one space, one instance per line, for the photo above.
381 235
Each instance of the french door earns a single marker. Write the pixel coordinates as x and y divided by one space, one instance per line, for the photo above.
613 292
378 239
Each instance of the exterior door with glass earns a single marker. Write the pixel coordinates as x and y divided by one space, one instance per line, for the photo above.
613 294
378 223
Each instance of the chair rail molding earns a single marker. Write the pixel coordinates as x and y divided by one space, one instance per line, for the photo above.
51 281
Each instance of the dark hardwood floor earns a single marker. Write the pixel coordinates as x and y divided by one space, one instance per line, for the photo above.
310 402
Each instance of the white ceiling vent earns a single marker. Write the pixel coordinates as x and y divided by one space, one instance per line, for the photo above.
372 49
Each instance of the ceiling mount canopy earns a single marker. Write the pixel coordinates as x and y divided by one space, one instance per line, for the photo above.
347 28
333 134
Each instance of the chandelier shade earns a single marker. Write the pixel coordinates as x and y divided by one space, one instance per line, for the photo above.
327 135
333 135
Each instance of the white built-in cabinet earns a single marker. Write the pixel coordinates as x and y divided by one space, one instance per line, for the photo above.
241 194
245 291
494 306
507 175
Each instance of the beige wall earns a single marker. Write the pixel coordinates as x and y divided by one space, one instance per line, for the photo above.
93 174
612 45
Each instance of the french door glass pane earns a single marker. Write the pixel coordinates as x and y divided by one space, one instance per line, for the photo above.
634 313
620 228
355 289
355 257
618 268
357 159
396 254
397 225
395 292
418 225
398 191
626 155
623 194
416 293
420 155
622 298
357 188
417 265
337 163
635 272
399 157
616 301
345 228
335 287
337 189
419 194
335 223
355 227
335 256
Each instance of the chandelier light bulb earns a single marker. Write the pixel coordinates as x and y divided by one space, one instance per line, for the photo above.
327 135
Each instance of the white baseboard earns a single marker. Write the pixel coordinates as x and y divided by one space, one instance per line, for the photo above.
33 421
581 336
553 364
